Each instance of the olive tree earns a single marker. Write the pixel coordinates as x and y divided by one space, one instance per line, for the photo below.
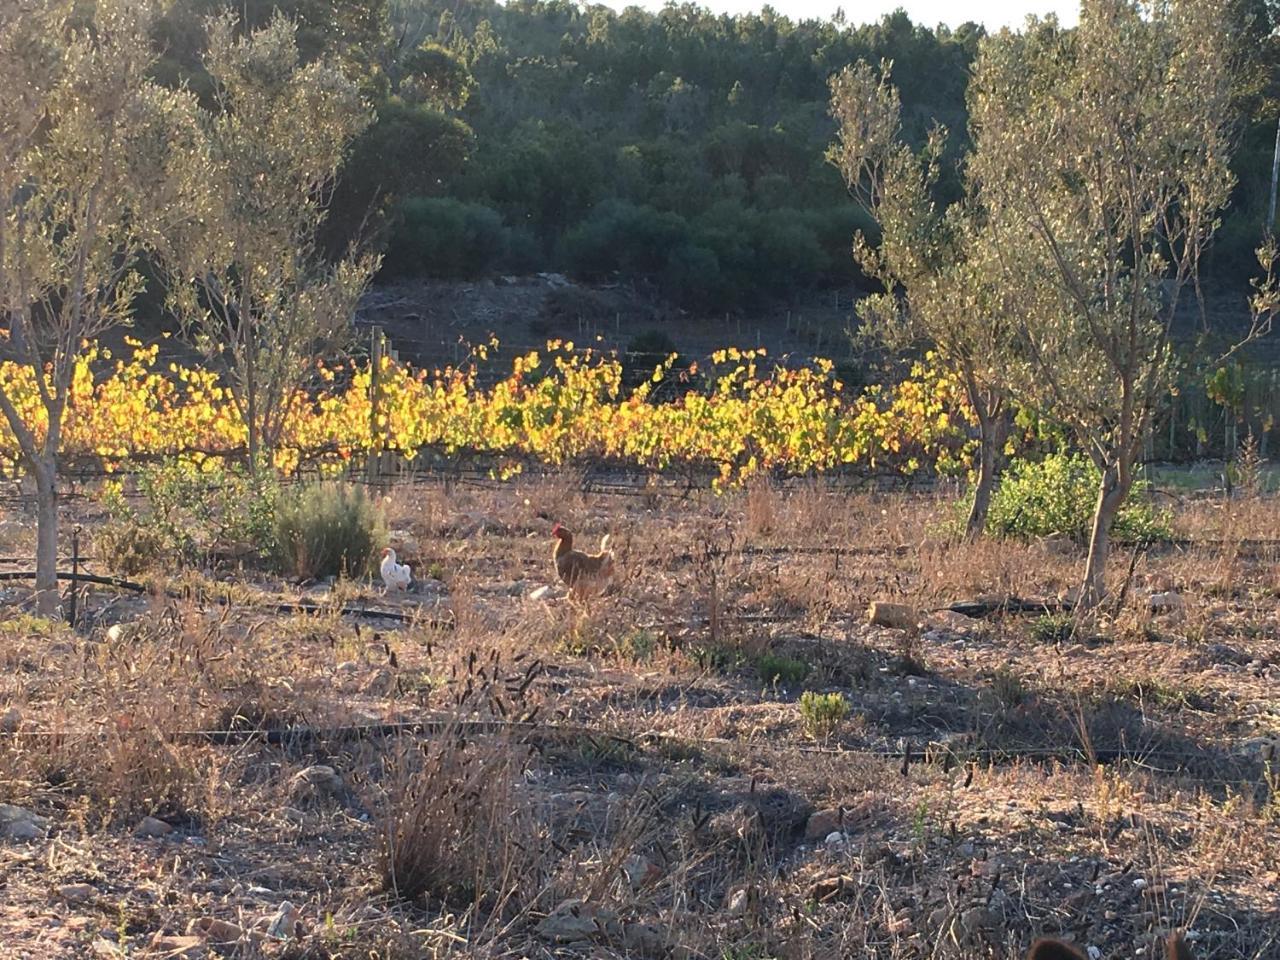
94 166
249 281
1101 157
939 289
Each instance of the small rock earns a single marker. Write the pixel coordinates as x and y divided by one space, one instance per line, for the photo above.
1167 602
896 615
218 931
152 827
738 901
645 939
11 721
347 666
286 923
975 920
950 621
75 892
19 823
502 588
1266 749
381 683
1058 545
823 822
640 871
119 632
835 839
833 888
540 593
293 814
175 948
576 920
317 782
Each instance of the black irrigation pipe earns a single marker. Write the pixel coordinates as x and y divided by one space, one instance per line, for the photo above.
77 577
348 610
985 608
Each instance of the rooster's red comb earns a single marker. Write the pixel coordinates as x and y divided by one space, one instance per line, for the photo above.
556 529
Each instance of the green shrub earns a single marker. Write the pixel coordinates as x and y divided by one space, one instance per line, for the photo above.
326 530
1052 628
783 670
188 513
129 548
441 237
1058 495
822 713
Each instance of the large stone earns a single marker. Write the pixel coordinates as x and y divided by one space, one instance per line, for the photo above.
152 827
217 931
640 871
896 615
11 722
19 823
1169 601
285 923
823 822
576 920
75 892
317 782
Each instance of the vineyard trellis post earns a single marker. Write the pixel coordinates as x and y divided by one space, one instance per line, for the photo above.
377 345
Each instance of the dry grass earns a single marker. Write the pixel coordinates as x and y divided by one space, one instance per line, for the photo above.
992 780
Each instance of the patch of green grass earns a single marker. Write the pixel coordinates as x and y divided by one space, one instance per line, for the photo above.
638 646
29 625
822 713
781 670
1052 628
715 658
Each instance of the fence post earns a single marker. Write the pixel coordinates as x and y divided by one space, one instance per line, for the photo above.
75 575
373 462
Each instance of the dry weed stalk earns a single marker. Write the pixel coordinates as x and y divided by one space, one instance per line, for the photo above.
456 822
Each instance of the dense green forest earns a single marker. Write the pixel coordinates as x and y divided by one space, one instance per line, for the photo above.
680 149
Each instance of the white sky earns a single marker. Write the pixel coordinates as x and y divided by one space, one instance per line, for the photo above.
993 13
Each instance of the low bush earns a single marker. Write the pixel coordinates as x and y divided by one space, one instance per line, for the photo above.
822 713
326 530
187 513
782 670
441 237
1058 495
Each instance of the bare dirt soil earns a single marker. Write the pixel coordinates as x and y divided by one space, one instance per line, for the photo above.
493 775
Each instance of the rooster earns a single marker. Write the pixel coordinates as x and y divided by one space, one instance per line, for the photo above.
583 573
395 576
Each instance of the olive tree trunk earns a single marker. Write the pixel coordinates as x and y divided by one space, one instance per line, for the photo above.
47 597
991 436
1112 492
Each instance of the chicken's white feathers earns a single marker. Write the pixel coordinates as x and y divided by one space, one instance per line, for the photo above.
395 576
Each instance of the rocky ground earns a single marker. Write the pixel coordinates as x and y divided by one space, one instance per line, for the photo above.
205 771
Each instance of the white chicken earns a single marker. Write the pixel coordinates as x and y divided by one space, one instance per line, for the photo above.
395 576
